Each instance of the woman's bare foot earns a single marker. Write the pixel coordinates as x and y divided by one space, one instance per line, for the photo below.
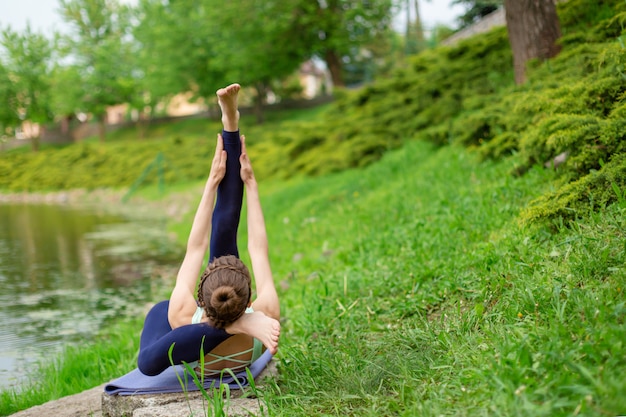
227 99
259 326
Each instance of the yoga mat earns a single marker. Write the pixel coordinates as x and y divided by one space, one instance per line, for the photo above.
135 383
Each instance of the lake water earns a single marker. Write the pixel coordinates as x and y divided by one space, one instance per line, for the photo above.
65 273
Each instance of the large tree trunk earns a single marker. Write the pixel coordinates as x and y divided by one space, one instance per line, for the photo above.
334 67
534 29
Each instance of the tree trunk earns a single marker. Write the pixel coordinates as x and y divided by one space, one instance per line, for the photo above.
36 139
414 39
334 67
259 100
534 29
102 128
419 29
65 124
142 123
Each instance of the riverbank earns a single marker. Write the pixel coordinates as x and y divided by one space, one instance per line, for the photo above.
71 197
170 205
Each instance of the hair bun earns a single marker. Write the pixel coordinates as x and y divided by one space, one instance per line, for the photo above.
226 305
223 296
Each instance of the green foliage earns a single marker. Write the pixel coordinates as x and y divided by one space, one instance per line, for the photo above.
24 73
591 20
338 31
178 49
101 53
9 116
265 49
67 94
572 104
580 198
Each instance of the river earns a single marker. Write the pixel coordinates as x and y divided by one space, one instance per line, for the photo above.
66 272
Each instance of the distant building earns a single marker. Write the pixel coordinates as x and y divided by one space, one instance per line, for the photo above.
314 79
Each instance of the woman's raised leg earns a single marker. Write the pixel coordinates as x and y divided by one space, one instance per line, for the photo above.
227 211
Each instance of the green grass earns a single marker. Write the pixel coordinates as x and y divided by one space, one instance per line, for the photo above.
416 292
410 288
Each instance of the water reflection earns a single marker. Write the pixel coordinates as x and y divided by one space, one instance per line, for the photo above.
65 273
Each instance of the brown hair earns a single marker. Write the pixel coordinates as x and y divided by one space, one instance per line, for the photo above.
225 290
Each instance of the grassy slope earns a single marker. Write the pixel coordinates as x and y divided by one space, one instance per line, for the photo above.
408 288
416 292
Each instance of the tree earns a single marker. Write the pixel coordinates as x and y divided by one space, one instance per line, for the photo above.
534 29
27 70
101 49
414 34
67 94
199 46
337 30
264 50
177 49
9 115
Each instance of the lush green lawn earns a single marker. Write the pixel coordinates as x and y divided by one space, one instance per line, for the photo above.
410 288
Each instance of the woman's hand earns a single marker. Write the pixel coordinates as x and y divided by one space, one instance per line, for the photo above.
218 166
247 174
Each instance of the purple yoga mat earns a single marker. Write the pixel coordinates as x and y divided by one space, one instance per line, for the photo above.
135 383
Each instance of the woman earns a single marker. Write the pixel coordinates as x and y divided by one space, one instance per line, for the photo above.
222 322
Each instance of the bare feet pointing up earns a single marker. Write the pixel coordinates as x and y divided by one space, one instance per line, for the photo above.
227 99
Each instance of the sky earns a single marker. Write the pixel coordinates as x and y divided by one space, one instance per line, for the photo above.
44 17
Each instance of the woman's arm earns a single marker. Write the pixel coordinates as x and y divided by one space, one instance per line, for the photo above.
267 298
182 301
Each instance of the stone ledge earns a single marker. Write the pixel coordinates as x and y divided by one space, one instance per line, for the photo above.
239 407
181 404
84 404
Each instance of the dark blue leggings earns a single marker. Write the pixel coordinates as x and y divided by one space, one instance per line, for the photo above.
157 336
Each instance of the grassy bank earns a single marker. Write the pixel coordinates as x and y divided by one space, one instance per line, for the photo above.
413 290
409 288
